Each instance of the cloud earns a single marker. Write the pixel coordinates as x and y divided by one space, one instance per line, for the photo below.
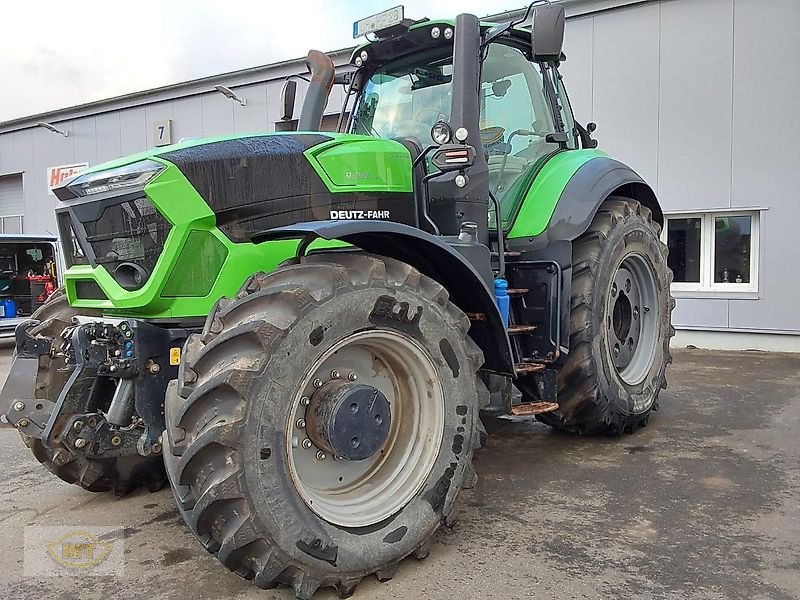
65 54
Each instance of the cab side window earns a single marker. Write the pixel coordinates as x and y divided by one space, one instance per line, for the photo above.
515 118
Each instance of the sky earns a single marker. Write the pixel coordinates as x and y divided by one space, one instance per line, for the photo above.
55 54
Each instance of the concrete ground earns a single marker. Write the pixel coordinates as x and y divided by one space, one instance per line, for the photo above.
703 503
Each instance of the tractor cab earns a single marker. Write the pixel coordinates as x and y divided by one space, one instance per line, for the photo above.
405 90
405 85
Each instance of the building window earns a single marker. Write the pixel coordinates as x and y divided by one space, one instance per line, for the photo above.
713 252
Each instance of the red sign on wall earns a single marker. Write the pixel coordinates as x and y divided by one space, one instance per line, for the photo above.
56 175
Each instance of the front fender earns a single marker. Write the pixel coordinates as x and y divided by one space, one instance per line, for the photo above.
431 256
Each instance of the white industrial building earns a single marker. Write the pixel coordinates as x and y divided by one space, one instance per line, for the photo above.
698 96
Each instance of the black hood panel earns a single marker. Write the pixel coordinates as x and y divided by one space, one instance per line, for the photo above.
257 183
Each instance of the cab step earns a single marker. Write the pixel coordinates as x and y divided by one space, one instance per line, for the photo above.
507 254
521 329
517 291
527 368
528 409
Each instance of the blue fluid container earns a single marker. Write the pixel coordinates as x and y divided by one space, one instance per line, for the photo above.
9 309
501 293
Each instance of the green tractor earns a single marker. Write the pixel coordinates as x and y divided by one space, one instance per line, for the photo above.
300 331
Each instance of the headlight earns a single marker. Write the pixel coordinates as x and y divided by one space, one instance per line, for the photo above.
135 175
441 133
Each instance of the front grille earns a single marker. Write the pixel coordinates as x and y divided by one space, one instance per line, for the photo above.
128 232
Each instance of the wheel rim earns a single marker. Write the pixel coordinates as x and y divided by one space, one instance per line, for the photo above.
358 493
632 319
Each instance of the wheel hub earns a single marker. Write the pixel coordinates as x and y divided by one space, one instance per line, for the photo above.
349 420
632 320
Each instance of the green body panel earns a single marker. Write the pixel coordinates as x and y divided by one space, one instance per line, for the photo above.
357 163
373 165
541 198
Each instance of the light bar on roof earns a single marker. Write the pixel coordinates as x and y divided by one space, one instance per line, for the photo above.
383 20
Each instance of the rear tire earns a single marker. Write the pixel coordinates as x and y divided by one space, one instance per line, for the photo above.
120 475
619 324
247 485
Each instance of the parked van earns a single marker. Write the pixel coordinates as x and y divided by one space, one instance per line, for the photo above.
30 270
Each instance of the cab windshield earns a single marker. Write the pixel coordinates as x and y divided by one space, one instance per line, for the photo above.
407 97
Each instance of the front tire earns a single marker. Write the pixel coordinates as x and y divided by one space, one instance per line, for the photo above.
275 506
619 324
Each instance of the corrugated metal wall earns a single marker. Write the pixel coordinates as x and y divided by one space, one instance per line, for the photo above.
700 97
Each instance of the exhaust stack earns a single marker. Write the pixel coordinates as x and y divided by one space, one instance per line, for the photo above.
319 88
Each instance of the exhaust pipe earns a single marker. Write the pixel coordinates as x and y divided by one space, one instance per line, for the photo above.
322 73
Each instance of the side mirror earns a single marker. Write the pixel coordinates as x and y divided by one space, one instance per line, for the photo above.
288 95
547 33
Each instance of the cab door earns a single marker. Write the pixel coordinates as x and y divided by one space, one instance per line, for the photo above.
518 122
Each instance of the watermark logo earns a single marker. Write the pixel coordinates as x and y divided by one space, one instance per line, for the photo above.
73 550
79 550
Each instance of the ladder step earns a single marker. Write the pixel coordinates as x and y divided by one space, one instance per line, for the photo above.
517 291
528 368
533 408
474 316
508 254
521 329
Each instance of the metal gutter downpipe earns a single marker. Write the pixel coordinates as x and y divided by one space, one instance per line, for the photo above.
319 88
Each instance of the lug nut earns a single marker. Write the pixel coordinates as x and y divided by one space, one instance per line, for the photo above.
306 443
155 368
116 440
321 455
80 443
301 423
352 376
318 383
305 400
334 374
18 406
78 425
156 448
22 423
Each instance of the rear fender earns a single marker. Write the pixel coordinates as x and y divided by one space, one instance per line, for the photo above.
594 182
587 189
468 289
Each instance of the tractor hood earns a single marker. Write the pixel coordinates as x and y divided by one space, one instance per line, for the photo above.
135 226
256 182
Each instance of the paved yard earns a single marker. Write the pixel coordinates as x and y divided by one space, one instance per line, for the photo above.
703 503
